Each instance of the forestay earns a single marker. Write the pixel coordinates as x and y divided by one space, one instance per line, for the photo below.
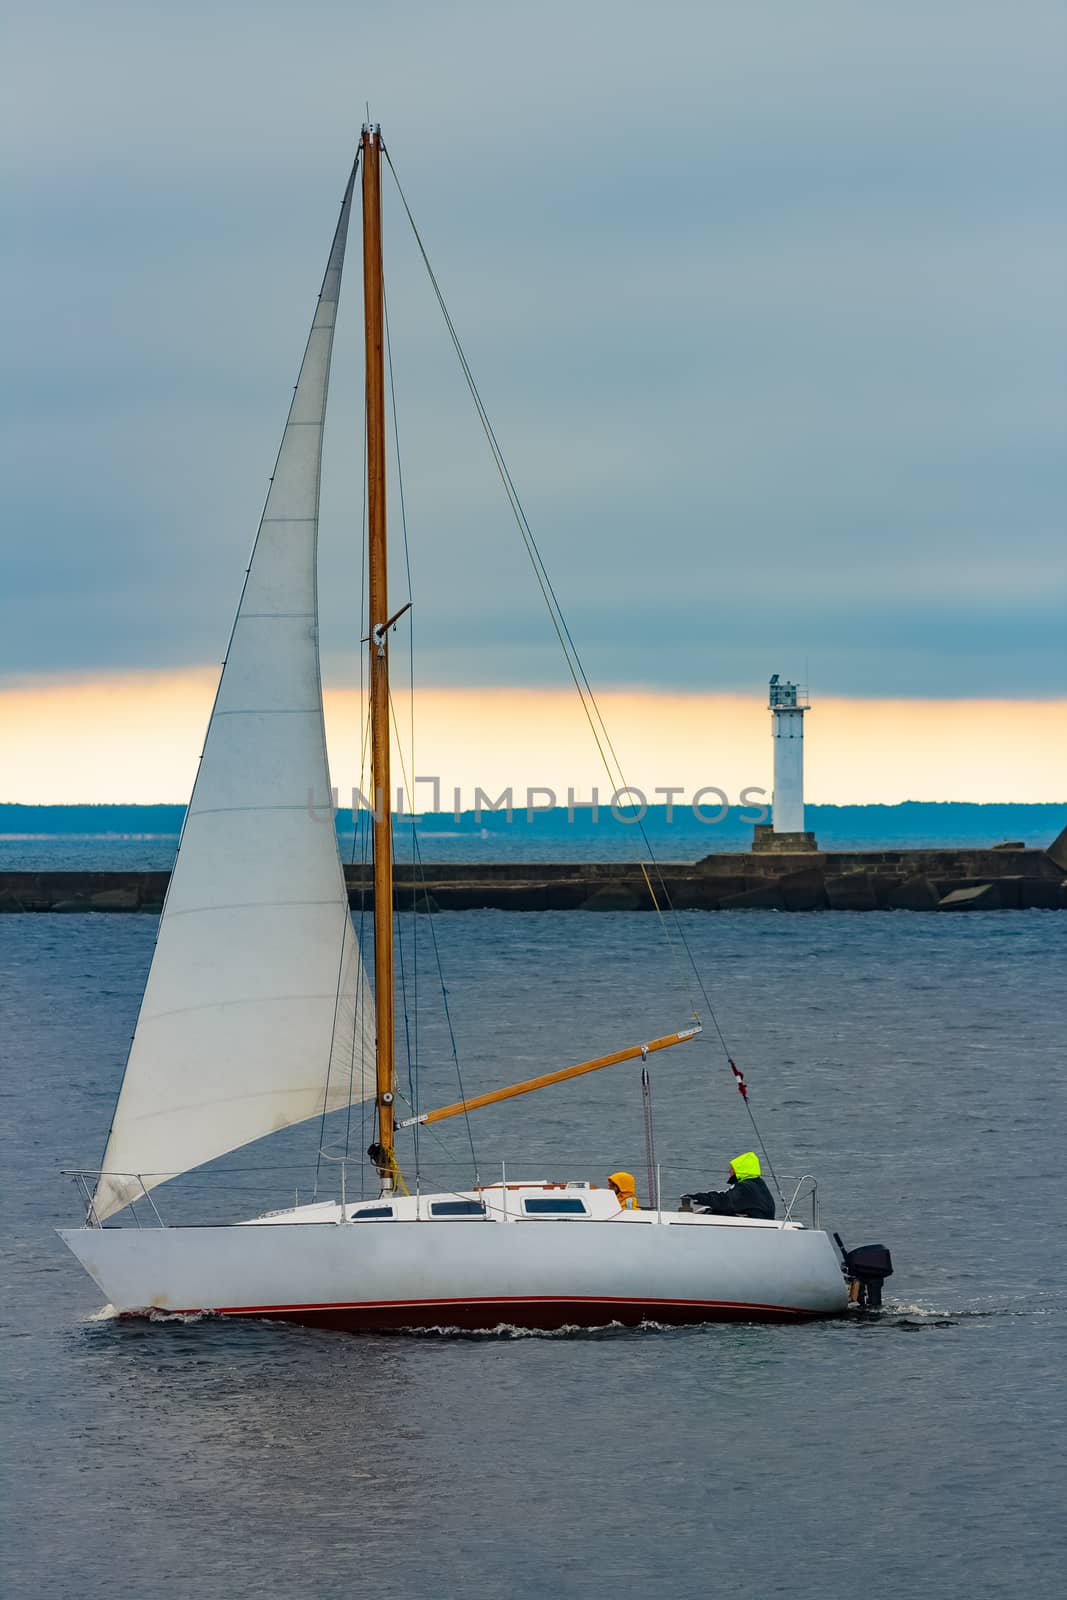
249 1021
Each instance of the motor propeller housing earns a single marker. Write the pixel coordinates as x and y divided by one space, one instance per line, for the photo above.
866 1269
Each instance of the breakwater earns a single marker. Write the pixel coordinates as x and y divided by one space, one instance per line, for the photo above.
1006 878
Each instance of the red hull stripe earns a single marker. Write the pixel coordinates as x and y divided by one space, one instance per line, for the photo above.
504 1301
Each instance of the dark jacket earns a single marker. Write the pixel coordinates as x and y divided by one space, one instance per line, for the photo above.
749 1198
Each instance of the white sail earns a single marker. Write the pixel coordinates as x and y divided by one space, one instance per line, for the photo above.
249 1019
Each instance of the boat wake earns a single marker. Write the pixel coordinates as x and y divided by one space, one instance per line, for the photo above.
902 1309
915 1316
156 1315
110 1314
509 1330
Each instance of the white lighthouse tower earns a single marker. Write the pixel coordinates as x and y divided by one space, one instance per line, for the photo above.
785 832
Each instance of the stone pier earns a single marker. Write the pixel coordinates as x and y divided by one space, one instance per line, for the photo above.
1005 878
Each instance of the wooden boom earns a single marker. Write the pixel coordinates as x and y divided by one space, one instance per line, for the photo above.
548 1078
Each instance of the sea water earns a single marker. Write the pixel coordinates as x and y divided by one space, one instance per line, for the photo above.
914 1064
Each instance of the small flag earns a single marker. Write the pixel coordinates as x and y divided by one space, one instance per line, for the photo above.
741 1084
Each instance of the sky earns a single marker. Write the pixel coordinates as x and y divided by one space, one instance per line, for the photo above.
766 303
140 736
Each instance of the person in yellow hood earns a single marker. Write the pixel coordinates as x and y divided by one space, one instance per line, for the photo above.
746 1195
625 1190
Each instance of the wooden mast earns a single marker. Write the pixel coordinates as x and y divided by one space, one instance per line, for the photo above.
379 657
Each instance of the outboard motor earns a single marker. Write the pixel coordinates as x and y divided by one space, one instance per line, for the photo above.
866 1269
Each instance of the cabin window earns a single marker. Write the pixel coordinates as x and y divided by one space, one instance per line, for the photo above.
457 1208
554 1208
372 1212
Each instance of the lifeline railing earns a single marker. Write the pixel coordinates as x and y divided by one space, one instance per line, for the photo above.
83 1174
806 1177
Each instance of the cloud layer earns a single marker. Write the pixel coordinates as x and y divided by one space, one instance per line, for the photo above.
766 303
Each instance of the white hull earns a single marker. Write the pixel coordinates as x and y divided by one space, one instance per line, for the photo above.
471 1274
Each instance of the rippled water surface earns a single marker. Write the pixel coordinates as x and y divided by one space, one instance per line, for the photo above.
915 1063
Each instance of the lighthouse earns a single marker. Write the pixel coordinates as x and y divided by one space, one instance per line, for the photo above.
785 832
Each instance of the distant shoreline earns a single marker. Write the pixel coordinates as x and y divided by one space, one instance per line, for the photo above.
909 824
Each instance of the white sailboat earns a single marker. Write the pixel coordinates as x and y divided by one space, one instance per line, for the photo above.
250 1021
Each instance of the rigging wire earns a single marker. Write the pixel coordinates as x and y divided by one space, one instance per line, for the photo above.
590 705
411 1031
451 1030
587 698
359 1009
419 875
361 829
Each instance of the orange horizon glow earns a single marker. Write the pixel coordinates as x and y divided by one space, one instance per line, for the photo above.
136 738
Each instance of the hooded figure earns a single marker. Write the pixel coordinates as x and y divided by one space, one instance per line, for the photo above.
625 1190
746 1196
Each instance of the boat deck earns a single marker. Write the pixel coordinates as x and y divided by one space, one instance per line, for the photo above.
530 1201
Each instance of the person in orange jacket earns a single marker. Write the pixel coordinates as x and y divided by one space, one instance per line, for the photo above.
625 1190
